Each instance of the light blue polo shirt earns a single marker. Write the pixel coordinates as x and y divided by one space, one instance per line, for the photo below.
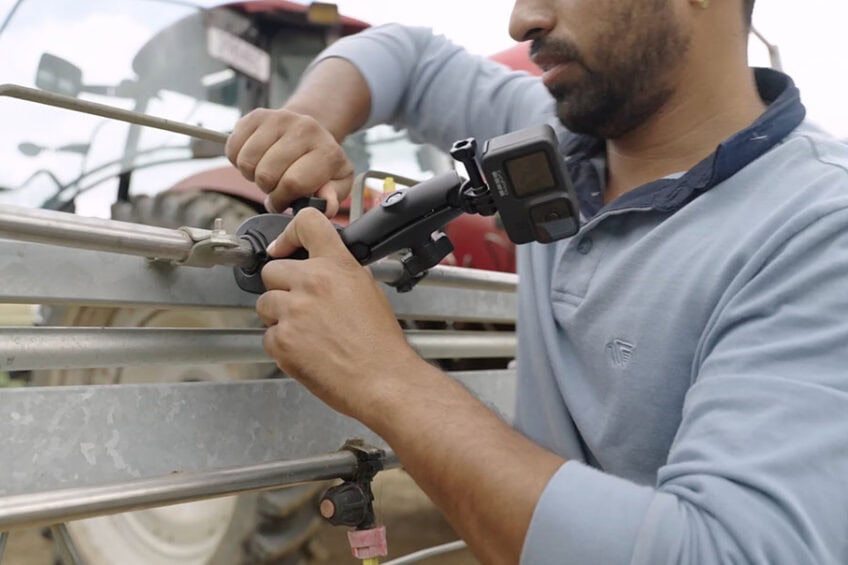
687 351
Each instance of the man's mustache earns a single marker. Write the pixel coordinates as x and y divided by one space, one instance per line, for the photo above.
546 50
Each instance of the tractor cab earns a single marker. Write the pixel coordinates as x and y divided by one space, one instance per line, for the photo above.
194 62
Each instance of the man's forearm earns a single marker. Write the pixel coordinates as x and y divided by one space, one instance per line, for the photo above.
484 476
335 94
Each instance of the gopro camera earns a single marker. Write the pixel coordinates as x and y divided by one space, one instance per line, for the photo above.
531 190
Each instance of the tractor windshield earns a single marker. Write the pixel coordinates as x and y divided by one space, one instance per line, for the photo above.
183 61
101 50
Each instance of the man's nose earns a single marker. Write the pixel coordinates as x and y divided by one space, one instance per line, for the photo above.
531 19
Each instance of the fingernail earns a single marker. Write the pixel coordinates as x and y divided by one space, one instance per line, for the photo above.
270 205
271 248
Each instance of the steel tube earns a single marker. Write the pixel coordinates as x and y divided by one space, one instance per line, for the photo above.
471 278
28 348
103 110
46 508
3 537
390 270
69 230
97 234
461 344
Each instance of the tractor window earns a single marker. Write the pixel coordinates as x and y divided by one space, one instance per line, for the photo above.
169 59
148 56
292 50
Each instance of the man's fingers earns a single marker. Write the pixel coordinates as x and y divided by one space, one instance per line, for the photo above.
330 193
309 173
244 129
274 164
280 274
290 156
254 148
310 230
270 306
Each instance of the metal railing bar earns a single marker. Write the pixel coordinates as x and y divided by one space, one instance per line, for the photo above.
97 234
48 508
37 348
4 536
390 270
76 105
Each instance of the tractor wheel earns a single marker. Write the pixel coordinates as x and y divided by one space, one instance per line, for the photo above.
274 527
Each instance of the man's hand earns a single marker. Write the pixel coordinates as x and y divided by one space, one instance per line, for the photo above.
330 325
290 155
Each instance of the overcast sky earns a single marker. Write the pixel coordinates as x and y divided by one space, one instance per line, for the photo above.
812 36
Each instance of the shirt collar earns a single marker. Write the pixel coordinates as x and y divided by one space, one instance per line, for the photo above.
785 112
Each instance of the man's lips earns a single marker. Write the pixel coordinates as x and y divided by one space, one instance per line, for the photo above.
557 73
554 69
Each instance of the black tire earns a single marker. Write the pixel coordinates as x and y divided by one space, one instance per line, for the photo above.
275 527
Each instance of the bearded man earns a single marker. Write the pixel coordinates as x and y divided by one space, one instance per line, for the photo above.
682 360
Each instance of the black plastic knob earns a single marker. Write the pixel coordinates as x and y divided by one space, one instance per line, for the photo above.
347 505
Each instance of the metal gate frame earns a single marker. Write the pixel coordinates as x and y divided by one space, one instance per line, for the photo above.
74 452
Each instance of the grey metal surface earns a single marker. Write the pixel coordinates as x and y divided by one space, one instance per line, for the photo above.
42 274
63 437
4 536
44 508
26 348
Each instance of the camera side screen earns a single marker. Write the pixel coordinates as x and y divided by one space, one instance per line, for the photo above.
530 174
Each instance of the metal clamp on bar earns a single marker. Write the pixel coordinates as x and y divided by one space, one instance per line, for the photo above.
352 503
207 245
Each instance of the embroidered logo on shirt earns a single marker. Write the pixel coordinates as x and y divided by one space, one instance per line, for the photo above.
620 352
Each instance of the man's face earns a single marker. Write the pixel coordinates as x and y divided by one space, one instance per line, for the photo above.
610 64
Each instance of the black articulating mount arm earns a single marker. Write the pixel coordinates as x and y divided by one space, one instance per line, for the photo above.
407 220
530 190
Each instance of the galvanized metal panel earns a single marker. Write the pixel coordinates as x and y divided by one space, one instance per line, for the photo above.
62 437
33 273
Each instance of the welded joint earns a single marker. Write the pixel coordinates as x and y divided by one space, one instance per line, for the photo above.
206 245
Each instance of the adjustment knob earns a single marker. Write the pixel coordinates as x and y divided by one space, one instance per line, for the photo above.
346 505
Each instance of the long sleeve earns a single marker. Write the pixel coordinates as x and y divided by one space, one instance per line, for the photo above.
437 90
758 470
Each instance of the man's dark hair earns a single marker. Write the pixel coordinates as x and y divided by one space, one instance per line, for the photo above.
748 5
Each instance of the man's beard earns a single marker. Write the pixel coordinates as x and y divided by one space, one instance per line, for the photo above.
628 80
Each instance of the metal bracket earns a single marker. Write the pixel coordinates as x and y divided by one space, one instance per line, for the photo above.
352 502
207 244
369 457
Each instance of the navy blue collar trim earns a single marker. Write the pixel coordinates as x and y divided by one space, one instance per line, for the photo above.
784 114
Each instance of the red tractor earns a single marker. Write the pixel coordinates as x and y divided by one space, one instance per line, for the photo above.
206 65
